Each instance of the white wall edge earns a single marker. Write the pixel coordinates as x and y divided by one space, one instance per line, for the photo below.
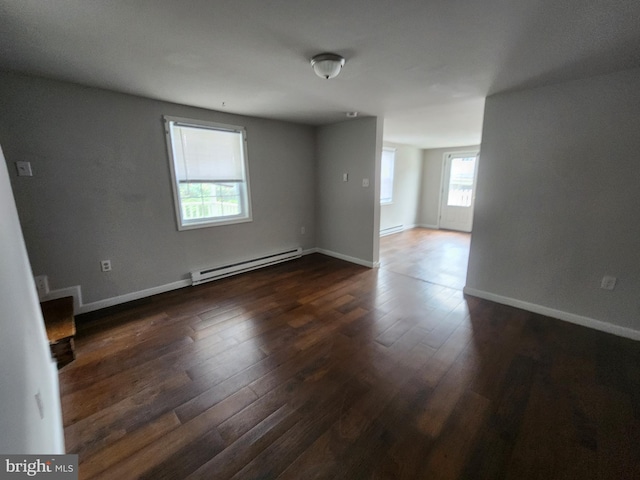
559 314
347 258
428 225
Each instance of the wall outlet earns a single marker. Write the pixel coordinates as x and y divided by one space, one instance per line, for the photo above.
42 285
365 182
105 265
608 282
24 169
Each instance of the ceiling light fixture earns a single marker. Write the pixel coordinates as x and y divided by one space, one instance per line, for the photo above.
327 65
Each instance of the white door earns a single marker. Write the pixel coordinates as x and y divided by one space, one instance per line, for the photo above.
458 191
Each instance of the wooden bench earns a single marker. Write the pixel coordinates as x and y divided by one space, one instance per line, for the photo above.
61 328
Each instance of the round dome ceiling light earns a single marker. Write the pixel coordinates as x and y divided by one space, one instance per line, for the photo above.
327 65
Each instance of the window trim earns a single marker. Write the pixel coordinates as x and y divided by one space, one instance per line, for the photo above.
393 174
175 187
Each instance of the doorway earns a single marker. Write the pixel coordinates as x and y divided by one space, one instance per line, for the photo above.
458 191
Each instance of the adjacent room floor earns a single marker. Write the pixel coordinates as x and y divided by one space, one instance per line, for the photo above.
435 256
318 368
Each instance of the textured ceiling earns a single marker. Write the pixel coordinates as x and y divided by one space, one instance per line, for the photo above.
425 66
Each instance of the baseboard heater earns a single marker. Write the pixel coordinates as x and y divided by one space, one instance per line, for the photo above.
391 230
215 273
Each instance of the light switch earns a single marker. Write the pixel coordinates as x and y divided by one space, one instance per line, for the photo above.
24 169
345 177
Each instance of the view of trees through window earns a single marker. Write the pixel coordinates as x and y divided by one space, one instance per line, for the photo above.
209 199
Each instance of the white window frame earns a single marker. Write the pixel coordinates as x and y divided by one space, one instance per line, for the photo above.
245 200
387 200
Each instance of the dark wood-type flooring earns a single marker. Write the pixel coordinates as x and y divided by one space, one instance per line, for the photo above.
317 368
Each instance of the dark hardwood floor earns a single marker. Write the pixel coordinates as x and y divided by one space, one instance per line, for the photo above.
318 368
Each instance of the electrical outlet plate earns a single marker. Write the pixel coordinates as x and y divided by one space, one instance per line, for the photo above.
24 169
105 265
608 282
42 285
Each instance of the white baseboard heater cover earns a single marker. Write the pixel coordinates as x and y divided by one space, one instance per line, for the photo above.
391 230
215 273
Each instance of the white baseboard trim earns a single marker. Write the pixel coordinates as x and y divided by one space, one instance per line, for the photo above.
559 314
110 302
428 225
80 307
347 258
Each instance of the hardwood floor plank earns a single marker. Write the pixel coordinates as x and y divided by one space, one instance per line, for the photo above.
132 442
145 460
273 460
492 453
323 458
104 393
101 429
246 447
324 330
448 456
186 460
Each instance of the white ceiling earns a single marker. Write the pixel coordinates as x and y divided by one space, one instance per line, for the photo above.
424 65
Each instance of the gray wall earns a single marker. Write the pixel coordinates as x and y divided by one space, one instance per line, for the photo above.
406 188
558 199
26 369
346 211
429 209
101 188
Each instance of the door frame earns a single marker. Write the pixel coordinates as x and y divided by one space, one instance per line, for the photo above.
443 168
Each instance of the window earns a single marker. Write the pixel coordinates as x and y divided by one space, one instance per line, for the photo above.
209 169
386 175
461 181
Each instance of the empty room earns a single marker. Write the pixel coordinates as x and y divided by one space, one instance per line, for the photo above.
337 240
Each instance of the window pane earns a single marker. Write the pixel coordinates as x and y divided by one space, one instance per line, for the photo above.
461 181
201 201
386 175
